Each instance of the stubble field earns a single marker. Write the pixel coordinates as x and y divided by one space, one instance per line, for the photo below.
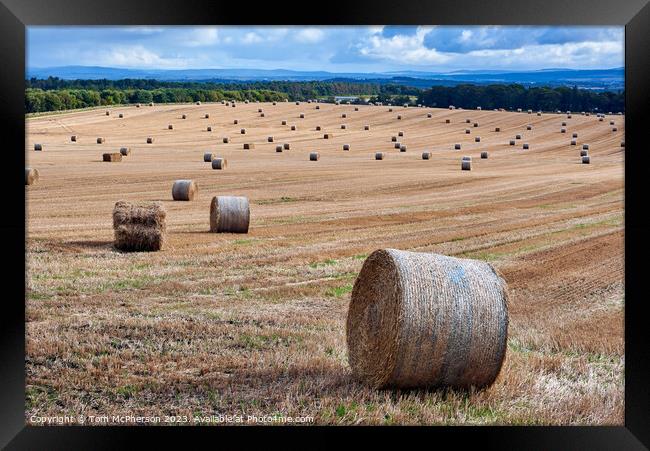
255 324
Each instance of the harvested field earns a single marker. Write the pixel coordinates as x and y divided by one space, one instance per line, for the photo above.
254 324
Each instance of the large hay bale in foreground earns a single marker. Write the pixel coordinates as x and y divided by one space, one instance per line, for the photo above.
229 214
139 226
115 156
185 190
426 320
31 176
314 156
219 163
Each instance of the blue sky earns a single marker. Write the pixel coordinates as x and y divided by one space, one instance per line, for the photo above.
329 48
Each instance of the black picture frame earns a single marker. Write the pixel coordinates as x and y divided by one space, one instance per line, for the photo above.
15 15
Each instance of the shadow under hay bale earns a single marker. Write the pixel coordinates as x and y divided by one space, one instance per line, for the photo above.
186 190
139 226
31 176
426 320
229 214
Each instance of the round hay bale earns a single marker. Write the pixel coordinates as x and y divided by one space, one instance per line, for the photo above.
302 115
275 103
73 138
242 131
207 157
343 126
451 107
286 146
366 127
344 115
447 121
574 135
297 103
563 130
318 107
456 146
328 136
229 214
478 108
390 110
170 127
31 176
622 143
293 127
585 146
150 140
518 137
525 146
318 128
259 110
235 121
398 145
497 129
563 124
600 120
484 155
380 155
108 113
475 124
477 139
112 157
467 131
467 121
120 115
568 116
125 151
426 155
529 127
249 146
584 152
209 128
38 147
219 163
226 140
346 147
284 122
466 158
530 111
586 159
139 226
184 116
314 156
466 165
539 113
402 148
100 140
198 103
261 114
278 148
518 110
399 117
185 189
574 142
428 114
207 116
400 133
270 139
150 103
356 108
512 142
393 138
614 129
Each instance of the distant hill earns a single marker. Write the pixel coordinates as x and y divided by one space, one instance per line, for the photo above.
601 79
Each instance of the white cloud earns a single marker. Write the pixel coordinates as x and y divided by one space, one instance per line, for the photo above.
310 35
135 56
202 36
251 38
402 49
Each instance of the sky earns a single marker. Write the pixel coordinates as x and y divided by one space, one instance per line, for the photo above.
328 48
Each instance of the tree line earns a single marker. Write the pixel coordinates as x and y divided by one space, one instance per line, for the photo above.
53 94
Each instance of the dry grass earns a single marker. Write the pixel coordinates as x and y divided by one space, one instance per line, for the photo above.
255 324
